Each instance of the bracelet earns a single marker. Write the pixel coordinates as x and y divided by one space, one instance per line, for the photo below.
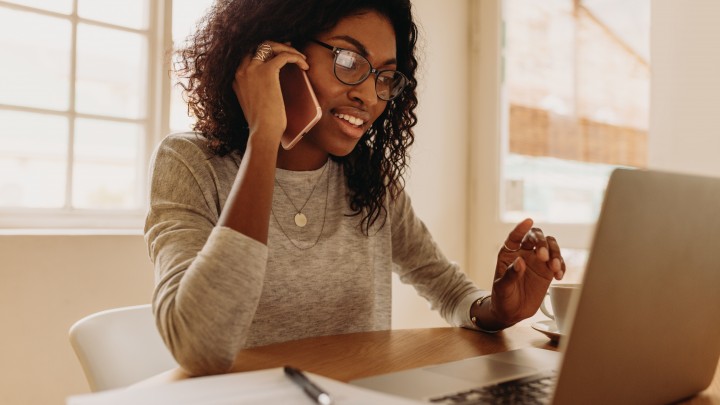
479 303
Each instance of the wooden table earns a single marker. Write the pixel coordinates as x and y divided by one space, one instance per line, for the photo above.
358 355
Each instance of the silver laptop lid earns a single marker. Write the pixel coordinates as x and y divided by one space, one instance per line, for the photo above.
648 324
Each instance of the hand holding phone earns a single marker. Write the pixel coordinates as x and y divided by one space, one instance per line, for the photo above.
301 106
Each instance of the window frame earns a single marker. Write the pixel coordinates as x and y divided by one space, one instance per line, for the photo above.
155 122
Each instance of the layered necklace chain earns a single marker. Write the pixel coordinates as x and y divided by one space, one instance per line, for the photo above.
300 218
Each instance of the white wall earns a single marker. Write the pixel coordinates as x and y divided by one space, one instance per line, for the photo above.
438 168
48 283
685 86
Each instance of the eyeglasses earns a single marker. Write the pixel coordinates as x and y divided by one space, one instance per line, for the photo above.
351 68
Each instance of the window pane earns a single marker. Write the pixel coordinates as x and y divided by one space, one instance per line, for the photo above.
106 164
577 103
554 190
60 6
33 160
111 72
128 13
35 67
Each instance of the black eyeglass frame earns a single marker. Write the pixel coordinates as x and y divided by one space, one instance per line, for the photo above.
336 51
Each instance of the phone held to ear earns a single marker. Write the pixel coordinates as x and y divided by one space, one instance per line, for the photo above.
301 105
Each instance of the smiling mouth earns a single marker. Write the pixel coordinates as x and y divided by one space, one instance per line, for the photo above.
355 121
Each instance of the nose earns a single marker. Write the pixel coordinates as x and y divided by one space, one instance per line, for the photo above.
365 92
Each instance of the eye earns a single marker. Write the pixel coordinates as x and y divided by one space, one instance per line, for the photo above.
346 60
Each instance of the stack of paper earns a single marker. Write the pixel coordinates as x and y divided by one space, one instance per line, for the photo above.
257 387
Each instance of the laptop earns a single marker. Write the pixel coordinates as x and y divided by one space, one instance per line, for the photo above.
645 328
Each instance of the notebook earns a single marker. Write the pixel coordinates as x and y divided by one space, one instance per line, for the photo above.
645 328
263 387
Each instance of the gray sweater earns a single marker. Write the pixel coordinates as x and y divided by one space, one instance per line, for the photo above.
218 291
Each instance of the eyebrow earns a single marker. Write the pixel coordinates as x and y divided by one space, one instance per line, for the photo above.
362 49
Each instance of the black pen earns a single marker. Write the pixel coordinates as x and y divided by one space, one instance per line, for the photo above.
312 390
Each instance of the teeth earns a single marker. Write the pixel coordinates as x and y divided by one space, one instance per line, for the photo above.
349 118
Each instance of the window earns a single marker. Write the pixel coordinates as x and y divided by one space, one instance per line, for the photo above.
577 75
561 91
85 95
76 103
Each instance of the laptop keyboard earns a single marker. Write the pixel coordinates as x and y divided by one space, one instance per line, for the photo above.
536 389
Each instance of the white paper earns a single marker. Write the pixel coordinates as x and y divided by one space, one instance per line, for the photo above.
256 387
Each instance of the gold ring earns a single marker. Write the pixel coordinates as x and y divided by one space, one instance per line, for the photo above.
264 52
505 246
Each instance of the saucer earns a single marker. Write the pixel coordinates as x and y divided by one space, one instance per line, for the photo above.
549 329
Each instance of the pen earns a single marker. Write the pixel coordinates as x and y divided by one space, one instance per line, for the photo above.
313 391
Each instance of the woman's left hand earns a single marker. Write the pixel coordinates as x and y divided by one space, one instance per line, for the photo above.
526 265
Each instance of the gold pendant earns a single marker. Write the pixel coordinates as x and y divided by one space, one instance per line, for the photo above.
300 219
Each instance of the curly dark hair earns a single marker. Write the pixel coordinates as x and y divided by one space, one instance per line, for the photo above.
233 29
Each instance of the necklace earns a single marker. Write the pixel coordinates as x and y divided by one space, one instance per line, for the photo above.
300 218
322 227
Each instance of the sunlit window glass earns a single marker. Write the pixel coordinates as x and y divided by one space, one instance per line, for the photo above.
58 6
75 108
35 67
576 100
106 165
111 72
127 13
33 160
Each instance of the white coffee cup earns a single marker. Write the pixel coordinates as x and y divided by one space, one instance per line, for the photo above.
560 298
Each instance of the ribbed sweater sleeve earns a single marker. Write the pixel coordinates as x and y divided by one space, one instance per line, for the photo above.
421 263
208 278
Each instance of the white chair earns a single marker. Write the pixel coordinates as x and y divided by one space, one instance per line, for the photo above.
119 347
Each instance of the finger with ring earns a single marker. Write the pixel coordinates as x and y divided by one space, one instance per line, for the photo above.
264 52
505 246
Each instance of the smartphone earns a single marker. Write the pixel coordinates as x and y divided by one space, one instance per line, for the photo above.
301 105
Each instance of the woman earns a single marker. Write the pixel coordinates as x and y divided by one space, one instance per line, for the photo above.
254 244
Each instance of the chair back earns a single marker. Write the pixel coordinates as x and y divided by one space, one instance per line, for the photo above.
119 347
